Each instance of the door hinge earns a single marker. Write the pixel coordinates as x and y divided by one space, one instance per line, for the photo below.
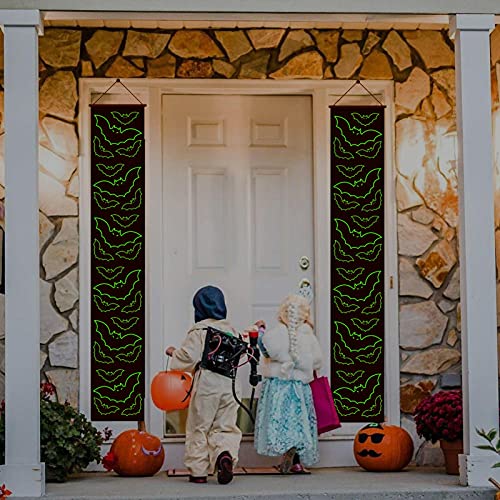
391 282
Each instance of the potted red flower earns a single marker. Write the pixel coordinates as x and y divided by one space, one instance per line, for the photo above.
439 418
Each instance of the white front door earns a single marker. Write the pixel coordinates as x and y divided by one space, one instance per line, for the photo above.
238 209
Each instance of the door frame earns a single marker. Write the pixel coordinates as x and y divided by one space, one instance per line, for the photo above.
322 93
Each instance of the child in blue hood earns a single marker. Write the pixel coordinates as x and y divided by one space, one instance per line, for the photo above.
212 436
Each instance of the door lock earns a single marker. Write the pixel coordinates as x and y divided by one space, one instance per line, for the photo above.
304 263
305 289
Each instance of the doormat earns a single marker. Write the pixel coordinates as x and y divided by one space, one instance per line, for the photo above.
239 471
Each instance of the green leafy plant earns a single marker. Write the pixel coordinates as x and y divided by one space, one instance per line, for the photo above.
490 437
68 441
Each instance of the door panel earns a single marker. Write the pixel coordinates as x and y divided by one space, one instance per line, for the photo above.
238 204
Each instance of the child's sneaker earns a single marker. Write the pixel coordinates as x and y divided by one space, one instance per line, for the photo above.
224 466
197 480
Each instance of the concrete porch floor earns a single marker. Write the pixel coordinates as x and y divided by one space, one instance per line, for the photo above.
337 484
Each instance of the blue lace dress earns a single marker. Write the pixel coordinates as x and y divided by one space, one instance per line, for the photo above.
286 419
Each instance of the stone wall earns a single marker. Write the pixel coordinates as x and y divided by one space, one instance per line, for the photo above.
422 65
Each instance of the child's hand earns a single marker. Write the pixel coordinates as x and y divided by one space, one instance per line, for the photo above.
170 351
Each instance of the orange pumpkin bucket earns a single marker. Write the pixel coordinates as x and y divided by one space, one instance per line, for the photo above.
171 390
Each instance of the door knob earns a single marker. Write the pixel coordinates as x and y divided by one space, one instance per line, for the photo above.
304 263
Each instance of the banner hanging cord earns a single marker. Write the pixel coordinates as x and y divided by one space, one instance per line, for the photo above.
111 86
357 82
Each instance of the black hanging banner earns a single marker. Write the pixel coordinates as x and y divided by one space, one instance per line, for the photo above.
357 262
117 262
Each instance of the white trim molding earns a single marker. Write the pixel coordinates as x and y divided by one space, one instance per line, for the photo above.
477 243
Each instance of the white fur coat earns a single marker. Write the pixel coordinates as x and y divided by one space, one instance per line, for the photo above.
280 363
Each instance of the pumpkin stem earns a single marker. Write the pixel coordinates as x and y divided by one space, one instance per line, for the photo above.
141 426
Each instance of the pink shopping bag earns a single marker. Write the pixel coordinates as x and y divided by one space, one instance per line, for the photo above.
326 414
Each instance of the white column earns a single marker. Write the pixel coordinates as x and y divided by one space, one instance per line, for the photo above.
477 243
23 473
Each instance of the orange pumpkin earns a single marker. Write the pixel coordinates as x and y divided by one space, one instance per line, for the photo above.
170 390
136 453
383 448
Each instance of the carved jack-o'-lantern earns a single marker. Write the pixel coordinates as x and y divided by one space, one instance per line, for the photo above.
383 448
170 390
135 453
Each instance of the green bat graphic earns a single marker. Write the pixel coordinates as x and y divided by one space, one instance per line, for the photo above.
125 324
359 291
370 254
349 377
135 408
340 255
344 203
135 202
110 377
104 203
104 305
99 356
370 152
110 273
344 307
130 356
375 204
344 332
340 357
135 305
355 136
108 233
103 408
100 253
350 171
119 187
374 307
110 170
361 394
100 150
365 325
350 274
354 238
108 335
130 254
125 118
361 188
115 290
131 151
365 222
370 358
365 120
340 152
375 410
124 221
344 410
119 393
115 135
